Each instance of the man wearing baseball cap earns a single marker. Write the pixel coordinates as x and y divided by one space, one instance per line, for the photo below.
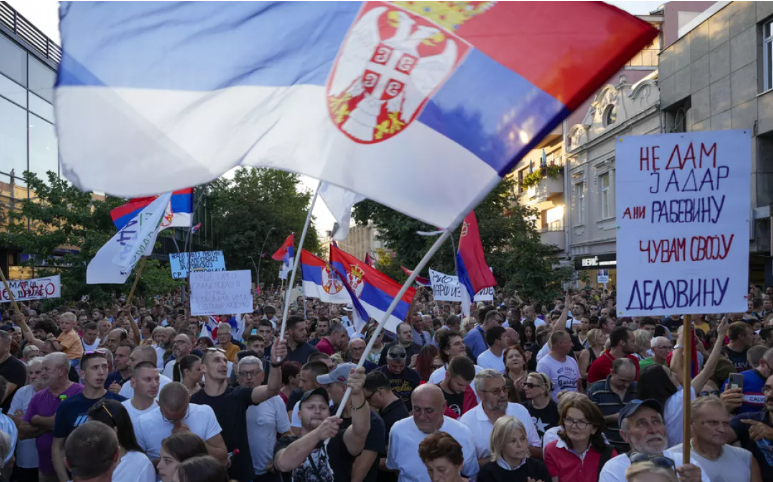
308 457
641 427
365 467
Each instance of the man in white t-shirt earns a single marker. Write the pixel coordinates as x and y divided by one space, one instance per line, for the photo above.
720 461
491 387
181 345
404 438
90 339
561 368
176 414
641 426
497 342
143 353
146 383
264 421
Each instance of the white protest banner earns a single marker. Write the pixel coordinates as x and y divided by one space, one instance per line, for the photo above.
683 223
447 288
221 292
200 261
32 289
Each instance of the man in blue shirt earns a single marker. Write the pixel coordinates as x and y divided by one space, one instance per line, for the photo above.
761 358
476 338
73 411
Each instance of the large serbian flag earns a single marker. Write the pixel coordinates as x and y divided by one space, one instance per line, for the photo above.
181 208
375 290
374 97
321 281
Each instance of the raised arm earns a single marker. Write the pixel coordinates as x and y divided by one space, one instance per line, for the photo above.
355 435
296 453
274 382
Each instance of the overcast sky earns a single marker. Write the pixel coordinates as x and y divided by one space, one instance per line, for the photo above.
44 15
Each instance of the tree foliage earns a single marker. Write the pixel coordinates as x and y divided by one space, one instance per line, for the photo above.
520 261
246 207
65 228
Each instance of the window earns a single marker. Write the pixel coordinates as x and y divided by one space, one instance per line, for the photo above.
579 190
41 107
13 91
767 55
605 196
610 115
13 140
13 61
41 79
44 155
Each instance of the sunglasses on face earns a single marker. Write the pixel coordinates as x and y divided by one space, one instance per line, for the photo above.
658 460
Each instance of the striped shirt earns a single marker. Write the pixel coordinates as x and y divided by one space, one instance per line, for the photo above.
609 403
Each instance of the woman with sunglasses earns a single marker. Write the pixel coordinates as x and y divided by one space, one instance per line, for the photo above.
178 448
188 372
581 451
134 464
539 402
515 372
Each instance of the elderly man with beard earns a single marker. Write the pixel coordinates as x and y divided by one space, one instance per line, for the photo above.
754 431
710 429
641 426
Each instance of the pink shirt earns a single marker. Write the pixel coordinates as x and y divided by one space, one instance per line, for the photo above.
325 347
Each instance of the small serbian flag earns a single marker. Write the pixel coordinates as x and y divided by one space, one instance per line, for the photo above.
285 254
195 228
421 281
471 267
370 261
181 204
374 289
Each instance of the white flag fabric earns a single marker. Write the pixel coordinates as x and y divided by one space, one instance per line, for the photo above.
116 259
285 270
340 202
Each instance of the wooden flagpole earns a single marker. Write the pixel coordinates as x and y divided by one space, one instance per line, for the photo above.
136 280
686 384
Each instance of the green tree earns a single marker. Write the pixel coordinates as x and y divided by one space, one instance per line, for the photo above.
65 228
521 263
248 206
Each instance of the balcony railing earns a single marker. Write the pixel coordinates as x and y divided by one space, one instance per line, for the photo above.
29 33
553 236
644 58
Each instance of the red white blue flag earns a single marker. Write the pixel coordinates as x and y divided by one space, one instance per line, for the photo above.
181 207
285 254
373 97
471 267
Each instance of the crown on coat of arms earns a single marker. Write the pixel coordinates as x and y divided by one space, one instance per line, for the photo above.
357 272
449 15
465 227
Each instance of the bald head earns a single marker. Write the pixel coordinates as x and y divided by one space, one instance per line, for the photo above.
143 353
428 407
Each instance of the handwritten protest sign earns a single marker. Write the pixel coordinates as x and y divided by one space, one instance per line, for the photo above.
32 289
683 223
221 292
447 288
200 260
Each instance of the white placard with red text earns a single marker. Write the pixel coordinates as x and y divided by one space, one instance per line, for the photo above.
32 289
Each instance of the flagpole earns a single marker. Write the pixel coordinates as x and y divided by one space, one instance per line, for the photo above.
297 260
380 326
686 384
257 275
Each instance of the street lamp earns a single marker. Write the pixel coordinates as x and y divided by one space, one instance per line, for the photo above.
257 276
256 271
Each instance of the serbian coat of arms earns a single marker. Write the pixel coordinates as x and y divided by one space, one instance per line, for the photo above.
394 58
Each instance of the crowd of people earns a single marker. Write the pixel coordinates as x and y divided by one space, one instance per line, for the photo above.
519 391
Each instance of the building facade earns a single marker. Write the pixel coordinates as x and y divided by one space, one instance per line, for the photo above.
362 240
718 75
28 63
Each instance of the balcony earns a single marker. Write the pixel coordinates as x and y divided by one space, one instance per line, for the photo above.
554 236
546 188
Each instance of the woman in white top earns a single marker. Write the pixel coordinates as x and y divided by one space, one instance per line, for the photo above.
134 466
661 383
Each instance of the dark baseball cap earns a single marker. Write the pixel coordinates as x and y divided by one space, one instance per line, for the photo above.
317 391
635 405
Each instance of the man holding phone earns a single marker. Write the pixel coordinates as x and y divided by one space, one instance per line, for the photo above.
742 392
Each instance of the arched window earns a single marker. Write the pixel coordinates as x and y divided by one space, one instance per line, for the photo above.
610 115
